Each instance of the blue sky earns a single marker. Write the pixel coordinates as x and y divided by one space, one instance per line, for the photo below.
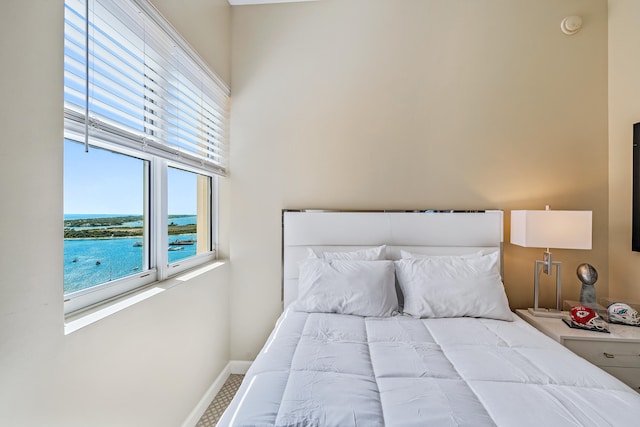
101 182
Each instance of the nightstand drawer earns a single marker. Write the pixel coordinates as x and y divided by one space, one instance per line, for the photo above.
607 353
629 376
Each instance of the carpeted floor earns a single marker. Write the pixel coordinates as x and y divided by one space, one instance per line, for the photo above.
220 402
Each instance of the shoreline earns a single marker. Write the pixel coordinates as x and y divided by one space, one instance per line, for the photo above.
120 237
103 238
119 232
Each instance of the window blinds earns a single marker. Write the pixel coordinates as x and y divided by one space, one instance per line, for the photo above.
137 83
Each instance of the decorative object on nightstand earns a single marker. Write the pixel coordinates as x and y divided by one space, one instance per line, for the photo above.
624 314
550 229
588 276
582 317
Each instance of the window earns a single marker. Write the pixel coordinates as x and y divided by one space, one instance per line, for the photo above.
189 201
145 142
105 220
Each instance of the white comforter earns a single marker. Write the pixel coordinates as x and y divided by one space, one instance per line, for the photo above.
338 370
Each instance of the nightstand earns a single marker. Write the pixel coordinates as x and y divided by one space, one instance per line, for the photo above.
617 352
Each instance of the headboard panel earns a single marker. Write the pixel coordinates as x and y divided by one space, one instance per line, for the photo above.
430 232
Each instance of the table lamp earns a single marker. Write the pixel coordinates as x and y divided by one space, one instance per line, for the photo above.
550 229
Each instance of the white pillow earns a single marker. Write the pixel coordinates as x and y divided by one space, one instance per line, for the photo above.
363 288
453 287
368 254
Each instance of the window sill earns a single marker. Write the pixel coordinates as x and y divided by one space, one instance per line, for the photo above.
78 320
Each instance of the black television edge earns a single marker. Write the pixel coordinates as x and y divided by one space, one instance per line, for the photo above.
635 221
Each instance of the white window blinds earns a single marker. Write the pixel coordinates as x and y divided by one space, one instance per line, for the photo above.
130 79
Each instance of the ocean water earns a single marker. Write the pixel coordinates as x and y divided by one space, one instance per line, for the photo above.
89 262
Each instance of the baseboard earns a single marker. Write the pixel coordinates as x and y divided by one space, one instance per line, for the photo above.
233 367
211 392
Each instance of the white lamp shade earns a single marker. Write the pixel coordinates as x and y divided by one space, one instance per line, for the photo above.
551 229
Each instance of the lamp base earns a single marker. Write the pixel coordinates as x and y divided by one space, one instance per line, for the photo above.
547 312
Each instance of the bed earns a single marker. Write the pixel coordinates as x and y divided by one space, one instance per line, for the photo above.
401 319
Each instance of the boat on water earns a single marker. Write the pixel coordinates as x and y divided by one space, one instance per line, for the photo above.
179 242
176 248
137 244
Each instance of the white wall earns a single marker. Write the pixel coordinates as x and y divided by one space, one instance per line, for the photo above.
147 365
624 111
395 104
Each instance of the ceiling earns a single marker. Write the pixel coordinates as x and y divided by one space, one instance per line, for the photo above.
242 2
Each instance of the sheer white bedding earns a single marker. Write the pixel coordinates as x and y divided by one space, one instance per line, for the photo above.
320 369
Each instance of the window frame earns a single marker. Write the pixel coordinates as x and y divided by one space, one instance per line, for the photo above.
212 231
159 267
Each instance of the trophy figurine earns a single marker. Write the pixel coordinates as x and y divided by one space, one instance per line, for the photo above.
588 276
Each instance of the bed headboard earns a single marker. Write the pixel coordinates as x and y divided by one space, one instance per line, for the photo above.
427 232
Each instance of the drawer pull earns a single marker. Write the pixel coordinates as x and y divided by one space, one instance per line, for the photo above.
609 355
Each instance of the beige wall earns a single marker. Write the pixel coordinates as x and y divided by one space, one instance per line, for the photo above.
147 365
394 104
624 110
